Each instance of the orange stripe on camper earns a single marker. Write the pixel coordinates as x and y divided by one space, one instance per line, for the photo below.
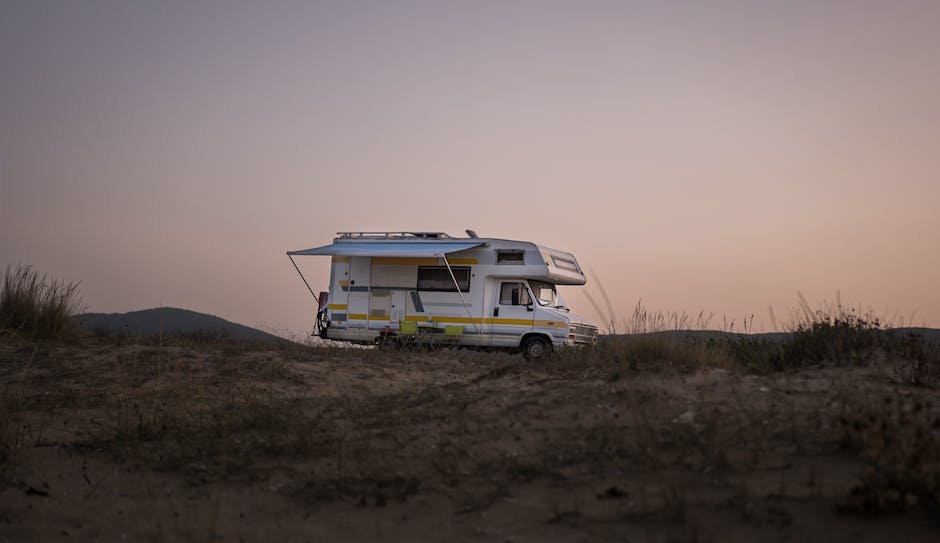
337 306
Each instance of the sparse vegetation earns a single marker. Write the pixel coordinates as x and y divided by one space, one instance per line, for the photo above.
828 336
671 430
35 304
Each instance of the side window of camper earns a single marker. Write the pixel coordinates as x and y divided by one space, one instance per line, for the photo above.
565 264
514 294
510 256
437 278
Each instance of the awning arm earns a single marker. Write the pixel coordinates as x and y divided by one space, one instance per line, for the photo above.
465 306
305 279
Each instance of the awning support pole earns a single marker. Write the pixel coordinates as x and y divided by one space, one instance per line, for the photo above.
465 306
305 280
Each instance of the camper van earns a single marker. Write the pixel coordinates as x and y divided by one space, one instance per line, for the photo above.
402 288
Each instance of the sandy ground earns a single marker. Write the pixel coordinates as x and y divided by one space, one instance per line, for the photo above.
104 441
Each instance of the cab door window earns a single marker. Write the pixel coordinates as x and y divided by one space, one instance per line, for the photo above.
514 294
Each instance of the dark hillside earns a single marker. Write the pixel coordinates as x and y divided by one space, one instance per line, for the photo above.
169 321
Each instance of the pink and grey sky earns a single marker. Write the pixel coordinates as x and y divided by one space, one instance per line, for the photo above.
715 156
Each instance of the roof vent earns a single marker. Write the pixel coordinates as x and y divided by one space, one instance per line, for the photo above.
472 234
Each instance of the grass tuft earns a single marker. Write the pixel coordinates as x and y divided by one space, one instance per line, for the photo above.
37 305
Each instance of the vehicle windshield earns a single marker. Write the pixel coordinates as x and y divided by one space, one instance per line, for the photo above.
544 293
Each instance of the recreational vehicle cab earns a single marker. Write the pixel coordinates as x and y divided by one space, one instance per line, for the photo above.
397 288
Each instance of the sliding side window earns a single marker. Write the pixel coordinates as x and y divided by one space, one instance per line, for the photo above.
438 279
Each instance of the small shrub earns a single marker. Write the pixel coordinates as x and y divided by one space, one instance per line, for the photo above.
829 335
35 304
841 338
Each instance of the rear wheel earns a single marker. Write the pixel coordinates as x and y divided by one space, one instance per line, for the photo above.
536 348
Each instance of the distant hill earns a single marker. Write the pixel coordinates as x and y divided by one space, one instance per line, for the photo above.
171 320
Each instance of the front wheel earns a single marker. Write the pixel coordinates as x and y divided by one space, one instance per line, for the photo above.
536 348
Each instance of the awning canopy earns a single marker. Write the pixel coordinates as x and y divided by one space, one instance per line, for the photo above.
395 248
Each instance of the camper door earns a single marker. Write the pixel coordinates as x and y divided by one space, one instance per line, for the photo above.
360 268
513 312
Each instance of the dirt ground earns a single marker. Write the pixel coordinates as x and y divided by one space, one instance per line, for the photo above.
106 441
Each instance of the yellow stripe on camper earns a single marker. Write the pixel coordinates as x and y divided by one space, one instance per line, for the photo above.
548 323
415 318
458 320
340 259
469 320
461 261
343 283
517 322
337 306
357 317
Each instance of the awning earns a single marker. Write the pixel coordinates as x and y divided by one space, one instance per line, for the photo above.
389 248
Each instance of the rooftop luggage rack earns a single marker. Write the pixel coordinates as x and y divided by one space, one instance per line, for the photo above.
393 235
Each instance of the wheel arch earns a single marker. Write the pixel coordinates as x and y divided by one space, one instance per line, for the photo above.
529 335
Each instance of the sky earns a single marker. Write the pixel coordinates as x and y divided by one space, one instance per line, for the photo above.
701 156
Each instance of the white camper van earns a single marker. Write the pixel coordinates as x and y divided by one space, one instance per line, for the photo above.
399 288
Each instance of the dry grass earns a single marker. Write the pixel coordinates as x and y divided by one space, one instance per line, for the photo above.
37 305
831 335
556 446
689 436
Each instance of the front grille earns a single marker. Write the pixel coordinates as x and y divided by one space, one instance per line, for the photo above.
584 334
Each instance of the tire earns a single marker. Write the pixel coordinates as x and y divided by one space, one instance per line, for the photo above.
536 348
